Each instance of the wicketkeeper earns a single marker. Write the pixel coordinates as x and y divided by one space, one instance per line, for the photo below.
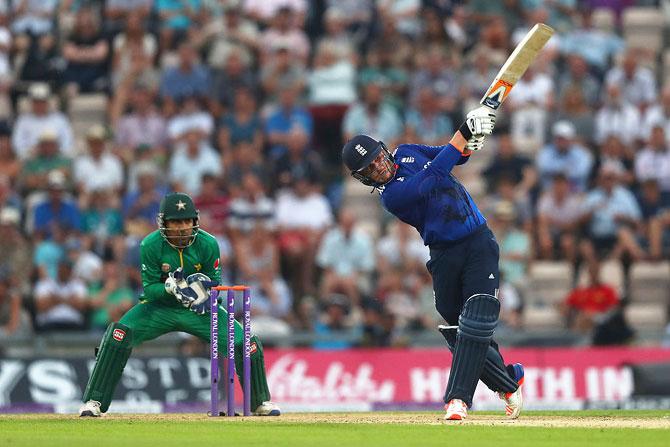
417 186
180 263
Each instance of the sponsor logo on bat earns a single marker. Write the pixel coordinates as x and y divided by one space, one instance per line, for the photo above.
118 334
497 94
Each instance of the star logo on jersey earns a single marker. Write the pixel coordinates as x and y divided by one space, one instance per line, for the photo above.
181 206
198 267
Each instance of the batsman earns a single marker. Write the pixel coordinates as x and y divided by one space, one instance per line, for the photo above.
417 186
180 263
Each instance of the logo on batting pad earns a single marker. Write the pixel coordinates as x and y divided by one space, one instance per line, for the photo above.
118 334
253 349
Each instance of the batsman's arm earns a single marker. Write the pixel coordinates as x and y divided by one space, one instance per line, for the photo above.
154 288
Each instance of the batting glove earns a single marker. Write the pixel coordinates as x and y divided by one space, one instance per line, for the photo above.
481 121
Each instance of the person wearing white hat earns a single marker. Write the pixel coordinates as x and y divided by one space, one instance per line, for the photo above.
564 156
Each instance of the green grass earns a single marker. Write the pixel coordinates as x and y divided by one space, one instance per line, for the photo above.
190 430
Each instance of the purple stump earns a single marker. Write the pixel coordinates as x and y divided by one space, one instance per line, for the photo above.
246 310
214 353
230 377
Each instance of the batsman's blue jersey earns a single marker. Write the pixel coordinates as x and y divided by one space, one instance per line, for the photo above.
427 196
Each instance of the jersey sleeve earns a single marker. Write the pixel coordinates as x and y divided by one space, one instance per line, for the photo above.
211 265
403 191
154 288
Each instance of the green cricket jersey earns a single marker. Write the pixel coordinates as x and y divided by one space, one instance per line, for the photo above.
160 258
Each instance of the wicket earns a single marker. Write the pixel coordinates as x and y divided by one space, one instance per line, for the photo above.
230 343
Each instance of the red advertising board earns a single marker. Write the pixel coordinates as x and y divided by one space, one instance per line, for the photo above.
554 377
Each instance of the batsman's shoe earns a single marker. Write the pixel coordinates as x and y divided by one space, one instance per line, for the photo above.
267 408
90 409
514 401
456 410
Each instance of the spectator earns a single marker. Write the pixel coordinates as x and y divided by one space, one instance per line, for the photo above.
637 83
286 118
249 207
586 307
278 71
193 158
558 215
33 17
241 124
132 43
336 35
577 76
530 104
613 151
190 118
60 302
245 159
284 31
564 156
102 223
658 114
404 306
382 68
176 17
334 324
378 326
228 34
110 298
515 246
303 216
236 74
141 205
87 54
373 117
57 209
611 214
299 161
574 110
6 69
508 163
259 266
31 125
437 72
43 61
106 167
425 122
142 126
212 205
653 162
347 258
654 208
8 196
402 249
617 117
13 320
118 12
264 11
45 160
477 75
187 78
16 258
10 165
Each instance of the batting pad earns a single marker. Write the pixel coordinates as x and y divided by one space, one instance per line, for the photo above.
111 359
259 384
476 324
495 374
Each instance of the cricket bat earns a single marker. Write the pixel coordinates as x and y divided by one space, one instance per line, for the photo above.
516 65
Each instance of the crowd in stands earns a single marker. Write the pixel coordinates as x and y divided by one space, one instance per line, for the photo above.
245 105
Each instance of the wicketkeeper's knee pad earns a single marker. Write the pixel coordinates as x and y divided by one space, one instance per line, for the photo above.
111 359
259 384
475 329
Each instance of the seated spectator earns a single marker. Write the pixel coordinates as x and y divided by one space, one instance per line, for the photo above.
249 207
133 41
564 156
653 162
118 12
192 158
100 168
508 163
285 31
13 320
110 298
102 223
57 209
477 75
34 17
303 216
636 82
188 78
382 68
141 205
190 117
16 260
10 165
50 252
227 33
586 307
334 324
43 61
578 77
286 118
9 198
45 159
336 34
347 258
530 105
298 161
655 209
400 302
61 302
236 74
614 152
241 124
246 159
31 125
515 245
658 114
280 70
378 326
558 216
373 117
617 117
612 215
332 80
258 260
507 192
401 248
574 110
176 17
143 125
425 123
86 52
511 305
212 205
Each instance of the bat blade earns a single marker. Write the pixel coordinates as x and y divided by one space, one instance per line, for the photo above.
516 65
